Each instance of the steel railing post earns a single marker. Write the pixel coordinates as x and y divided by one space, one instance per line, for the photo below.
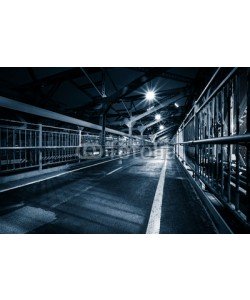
40 144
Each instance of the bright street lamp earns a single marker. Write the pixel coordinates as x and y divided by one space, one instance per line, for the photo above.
157 117
150 95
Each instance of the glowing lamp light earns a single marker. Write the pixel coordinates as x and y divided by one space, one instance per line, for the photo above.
150 95
157 117
161 127
176 105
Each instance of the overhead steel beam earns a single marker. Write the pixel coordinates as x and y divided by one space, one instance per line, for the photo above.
126 108
160 94
177 77
111 79
161 132
72 73
92 82
162 138
144 127
153 110
37 111
117 123
135 84
167 102
167 75
90 85
138 82
129 88
122 113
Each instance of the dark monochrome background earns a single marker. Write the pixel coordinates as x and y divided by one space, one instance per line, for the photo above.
124 150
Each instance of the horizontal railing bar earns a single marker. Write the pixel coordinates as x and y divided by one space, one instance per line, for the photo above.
208 99
217 89
232 139
43 147
18 128
32 124
37 111
55 147
19 122
207 86
203 92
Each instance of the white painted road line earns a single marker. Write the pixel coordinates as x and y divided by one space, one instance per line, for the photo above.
63 173
114 171
154 222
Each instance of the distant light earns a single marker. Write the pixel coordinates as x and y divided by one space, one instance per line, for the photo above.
150 95
161 127
176 105
157 117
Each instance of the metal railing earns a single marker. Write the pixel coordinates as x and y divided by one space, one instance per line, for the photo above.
28 146
214 140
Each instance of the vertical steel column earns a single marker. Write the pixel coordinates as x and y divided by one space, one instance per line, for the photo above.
237 113
0 149
183 158
196 137
130 128
40 157
79 144
25 145
208 145
222 146
103 132
178 145
175 146
142 142
118 145
248 146
103 117
20 145
14 151
228 99
216 134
